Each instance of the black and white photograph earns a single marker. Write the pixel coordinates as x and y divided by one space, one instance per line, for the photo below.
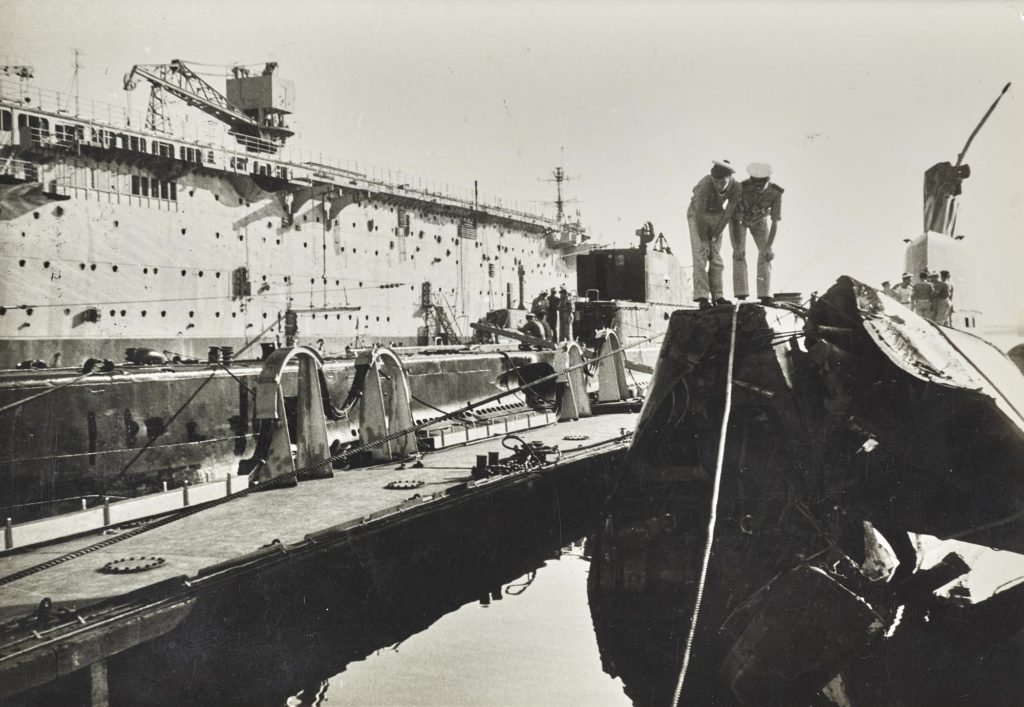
512 353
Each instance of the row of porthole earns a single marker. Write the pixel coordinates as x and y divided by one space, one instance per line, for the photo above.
114 268
163 313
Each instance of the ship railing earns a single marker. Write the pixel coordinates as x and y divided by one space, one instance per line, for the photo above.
239 153
19 169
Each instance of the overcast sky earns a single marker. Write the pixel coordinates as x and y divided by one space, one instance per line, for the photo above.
850 101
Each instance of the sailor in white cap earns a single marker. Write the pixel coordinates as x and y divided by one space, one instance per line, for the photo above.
760 201
715 198
905 290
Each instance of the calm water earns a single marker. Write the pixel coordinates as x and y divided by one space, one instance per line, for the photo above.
533 645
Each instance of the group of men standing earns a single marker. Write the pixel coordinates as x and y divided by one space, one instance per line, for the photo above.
931 296
718 201
550 316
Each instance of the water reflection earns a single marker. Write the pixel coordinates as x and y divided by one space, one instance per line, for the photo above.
499 620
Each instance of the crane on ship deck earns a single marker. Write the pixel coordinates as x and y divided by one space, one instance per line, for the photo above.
254 108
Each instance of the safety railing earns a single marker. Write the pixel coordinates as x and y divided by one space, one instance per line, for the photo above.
231 150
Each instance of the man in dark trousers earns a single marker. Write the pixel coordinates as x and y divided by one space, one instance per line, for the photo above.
539 307
565 315
940 298
760 201
552 316
714 201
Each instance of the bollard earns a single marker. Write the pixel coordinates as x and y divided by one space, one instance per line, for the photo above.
227 483
165 486
106 510
184 494
85 505
8 534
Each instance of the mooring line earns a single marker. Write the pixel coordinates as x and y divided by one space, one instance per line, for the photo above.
713 517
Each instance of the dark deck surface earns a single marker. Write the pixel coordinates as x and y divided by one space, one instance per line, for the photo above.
245 524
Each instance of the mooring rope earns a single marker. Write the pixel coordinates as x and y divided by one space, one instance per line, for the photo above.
713 517
284 478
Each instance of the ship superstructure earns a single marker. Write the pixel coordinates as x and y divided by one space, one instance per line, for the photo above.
120 231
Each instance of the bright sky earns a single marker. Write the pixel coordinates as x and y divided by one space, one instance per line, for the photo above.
850 101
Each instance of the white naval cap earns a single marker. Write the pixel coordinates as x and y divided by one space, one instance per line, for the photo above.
759 170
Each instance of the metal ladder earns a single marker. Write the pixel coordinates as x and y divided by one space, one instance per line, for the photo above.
444 322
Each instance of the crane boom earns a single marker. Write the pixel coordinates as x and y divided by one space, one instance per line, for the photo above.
180 81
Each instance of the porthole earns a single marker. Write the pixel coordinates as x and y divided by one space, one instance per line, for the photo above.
163 313
264 315
183 273
200 273
114 268
35 215
28 311
143 312
46 264
21 263
156 270
234 314
191 314
67 311
216 314
93 266
183 231
81 266
113 313
145 271
217 274
123 312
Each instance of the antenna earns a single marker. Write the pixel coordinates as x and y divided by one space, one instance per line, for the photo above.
73 91
558 177
963 153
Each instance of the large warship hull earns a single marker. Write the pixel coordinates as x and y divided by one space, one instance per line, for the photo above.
115 236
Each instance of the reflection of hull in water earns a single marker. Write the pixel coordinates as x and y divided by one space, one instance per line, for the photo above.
854 414
292 623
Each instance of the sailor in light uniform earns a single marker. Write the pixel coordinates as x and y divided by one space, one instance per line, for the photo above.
905 290
760 201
